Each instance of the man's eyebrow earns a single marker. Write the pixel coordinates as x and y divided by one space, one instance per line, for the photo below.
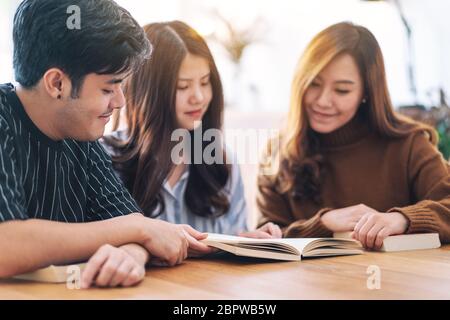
115 80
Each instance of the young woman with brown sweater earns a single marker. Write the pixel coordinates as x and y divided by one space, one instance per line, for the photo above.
347 161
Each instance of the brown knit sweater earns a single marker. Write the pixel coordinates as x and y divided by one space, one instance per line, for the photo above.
406 175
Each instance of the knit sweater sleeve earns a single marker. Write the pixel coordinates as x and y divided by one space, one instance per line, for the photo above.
309 228
429 179
275 207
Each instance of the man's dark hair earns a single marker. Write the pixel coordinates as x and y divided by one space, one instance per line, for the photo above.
109 40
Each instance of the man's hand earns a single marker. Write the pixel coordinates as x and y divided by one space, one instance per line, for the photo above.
139 253
184 236
268 231
112 267
345 219
196 248
166 242
374 227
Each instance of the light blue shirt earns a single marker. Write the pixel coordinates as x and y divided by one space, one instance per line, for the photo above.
176 210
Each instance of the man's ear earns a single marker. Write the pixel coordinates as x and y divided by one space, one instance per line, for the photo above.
56 83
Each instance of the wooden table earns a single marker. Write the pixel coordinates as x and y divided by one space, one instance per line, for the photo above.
404 275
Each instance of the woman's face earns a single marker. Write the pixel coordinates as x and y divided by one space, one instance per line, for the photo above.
194 91
334 96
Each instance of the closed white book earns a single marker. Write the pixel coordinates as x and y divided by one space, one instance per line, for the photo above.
403 242
287 249
52 274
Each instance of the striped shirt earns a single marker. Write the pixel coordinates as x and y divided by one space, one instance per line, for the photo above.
176 210
67 180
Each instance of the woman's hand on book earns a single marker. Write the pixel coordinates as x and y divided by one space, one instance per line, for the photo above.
374 227
345 219
112 267
267 231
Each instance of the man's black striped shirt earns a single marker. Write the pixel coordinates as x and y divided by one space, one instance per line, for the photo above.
68 180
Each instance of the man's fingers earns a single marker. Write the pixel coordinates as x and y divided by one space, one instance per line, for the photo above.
181 251
194 233
122 272
108 270
196 245
93 267
134 276
183 256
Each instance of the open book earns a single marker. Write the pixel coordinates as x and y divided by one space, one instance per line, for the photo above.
404 242
53 274
289 249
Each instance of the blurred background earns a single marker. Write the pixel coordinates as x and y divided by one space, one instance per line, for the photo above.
256 45
269 36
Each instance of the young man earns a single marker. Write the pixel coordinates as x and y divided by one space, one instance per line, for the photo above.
60 201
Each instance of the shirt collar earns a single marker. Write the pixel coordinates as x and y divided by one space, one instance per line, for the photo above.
181 181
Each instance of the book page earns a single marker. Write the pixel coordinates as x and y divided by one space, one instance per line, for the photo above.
289 245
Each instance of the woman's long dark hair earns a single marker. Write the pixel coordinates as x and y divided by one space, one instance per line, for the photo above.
144 158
